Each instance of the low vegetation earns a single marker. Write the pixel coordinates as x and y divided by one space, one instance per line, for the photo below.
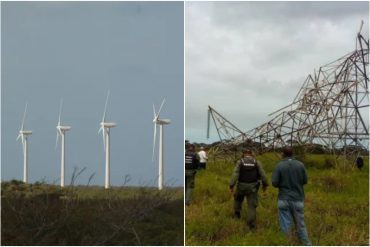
41 214
336 206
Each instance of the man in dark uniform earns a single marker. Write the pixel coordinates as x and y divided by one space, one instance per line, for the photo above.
359 162
191 165
247 173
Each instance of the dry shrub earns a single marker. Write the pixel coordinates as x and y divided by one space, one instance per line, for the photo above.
47 215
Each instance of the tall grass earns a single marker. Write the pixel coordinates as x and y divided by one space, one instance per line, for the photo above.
336 206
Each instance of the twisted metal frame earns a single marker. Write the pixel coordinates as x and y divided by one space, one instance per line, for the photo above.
330 110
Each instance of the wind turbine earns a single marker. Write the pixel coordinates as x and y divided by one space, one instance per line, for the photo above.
23 134
61 130
160 122
105 129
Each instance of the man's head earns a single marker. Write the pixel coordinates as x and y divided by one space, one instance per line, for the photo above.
186 145
190 147
202 148
248 152
287 152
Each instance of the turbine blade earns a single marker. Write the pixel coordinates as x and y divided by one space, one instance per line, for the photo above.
56 142
104 137
102 130
160 108
154 114
60 110
23 146
105 107
19 136
154 139
208 122
24 116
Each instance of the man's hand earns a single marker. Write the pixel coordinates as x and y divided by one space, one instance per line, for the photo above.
264 187
231 189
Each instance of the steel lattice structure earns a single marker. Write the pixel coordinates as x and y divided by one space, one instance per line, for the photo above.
331 109
225 129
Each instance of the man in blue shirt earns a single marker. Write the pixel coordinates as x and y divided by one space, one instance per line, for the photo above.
289 176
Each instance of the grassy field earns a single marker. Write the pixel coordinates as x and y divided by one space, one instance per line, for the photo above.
336 206
40 214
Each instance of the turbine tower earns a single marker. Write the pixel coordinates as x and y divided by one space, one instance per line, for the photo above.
160 122
105 129
23 134
61 130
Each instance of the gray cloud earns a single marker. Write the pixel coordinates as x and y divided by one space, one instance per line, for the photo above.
248 59
77 50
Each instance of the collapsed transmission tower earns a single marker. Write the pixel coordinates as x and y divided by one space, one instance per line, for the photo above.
331 109
225 129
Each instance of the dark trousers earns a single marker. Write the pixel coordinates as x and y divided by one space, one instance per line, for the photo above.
202 166
189 185
248 191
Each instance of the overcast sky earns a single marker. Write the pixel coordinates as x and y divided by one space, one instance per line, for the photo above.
78 50
248 59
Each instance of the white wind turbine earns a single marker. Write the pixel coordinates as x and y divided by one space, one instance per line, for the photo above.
61 130
105 129
160 122
23 134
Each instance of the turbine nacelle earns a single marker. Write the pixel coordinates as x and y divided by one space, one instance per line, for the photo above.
63 128
107 125
162 121
25 132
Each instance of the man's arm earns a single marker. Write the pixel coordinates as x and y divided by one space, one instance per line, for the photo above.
262 174
235 176
196 160
275 180
304 175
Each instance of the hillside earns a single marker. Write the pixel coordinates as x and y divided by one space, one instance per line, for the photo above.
336 206
41 214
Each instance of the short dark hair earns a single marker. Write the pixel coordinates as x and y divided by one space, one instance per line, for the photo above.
287 151
190 147
187 144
